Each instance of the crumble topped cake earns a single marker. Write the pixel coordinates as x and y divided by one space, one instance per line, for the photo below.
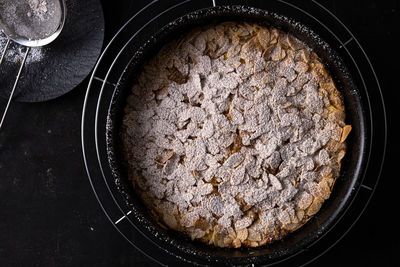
234 134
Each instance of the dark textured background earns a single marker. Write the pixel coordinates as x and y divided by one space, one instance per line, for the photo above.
48 213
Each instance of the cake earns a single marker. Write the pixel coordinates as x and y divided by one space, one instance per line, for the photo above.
234 134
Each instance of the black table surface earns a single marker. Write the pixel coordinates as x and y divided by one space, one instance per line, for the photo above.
50 217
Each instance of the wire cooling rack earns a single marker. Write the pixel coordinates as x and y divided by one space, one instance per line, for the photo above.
112 63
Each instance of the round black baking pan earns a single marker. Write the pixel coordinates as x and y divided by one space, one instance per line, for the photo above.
136 53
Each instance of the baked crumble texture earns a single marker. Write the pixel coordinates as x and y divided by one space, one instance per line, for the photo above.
234 134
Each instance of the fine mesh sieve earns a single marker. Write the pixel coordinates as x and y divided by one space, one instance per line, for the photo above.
31 23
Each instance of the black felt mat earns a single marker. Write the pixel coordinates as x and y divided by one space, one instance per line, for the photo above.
66 61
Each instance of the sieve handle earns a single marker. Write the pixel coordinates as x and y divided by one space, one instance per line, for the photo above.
16 79
4 51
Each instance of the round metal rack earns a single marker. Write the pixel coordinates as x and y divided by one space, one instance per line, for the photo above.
151 18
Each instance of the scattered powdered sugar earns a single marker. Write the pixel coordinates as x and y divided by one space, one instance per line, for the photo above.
237 126
16 52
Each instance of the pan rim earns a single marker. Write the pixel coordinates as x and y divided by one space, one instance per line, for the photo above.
243 8
371 180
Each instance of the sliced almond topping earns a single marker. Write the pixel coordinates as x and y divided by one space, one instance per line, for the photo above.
275 182
245 222
336 101
241 129
340 157
293 43
315 206
227 241
323 189
232 233
291 226
170 221
202 224
236 243
303 55
197 233
305 200
242 234
234 160
345 133
253 244
300 214
253 235
263 37
164 158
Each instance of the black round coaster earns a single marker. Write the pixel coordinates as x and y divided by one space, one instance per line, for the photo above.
65 63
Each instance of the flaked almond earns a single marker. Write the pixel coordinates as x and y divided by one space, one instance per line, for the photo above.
303 55
305 200
164 158
263 38
170 221
197 233
345 133
234 160
253 244
231 233
323 190
300 214
315 206
227 241
253 235
340 157
293 42
242 234
290 226
236 243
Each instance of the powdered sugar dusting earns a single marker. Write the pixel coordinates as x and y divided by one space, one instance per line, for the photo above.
16 52
231 130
